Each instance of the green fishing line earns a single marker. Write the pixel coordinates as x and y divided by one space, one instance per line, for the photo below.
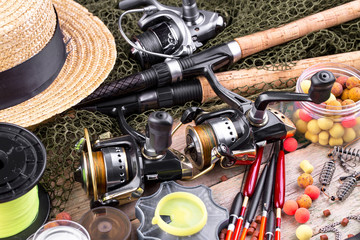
18 214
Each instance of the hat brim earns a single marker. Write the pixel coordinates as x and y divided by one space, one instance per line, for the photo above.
92 55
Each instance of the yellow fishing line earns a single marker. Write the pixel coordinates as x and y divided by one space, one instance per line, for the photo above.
18 214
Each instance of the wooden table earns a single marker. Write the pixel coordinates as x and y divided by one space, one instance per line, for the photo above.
225 191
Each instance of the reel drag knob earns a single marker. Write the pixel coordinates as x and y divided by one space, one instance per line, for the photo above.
158 134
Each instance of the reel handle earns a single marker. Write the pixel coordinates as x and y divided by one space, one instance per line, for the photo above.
320 90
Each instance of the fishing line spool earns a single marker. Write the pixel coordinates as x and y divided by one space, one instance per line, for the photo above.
24 204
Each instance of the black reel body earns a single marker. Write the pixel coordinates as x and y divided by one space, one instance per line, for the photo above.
114 170
170 31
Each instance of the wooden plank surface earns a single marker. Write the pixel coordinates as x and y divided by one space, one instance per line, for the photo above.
225 191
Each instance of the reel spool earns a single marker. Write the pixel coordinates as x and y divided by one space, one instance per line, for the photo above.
22 164
107 223
103 169
201 139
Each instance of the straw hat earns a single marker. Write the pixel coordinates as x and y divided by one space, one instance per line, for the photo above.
26 28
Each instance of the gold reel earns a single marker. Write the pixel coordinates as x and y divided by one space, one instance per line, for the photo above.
93 168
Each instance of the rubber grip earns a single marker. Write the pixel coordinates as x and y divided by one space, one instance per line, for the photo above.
133 83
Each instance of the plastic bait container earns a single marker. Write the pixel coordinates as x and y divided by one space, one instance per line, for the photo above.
61 230
324 124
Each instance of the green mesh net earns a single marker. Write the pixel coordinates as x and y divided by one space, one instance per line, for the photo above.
243 17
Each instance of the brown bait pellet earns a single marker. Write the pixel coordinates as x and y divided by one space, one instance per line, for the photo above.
224 178
250 231
324 237
344 222
326 212
253 225
255 234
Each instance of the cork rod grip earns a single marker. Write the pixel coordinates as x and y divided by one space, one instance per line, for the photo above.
257 42
253 77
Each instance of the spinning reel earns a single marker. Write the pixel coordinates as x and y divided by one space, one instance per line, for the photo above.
232 136
169 32
114 170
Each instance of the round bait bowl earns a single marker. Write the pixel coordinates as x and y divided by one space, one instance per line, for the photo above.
106 223
180 214
329 123
61 229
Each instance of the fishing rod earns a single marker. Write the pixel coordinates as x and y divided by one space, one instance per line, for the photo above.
254 201
199 90
268 192
206 62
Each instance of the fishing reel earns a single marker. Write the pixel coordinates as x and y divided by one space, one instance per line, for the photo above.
233 136
114 170
169 32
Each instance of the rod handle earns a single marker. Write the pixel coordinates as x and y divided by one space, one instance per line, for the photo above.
257 42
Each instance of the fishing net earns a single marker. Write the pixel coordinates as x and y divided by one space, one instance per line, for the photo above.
243 17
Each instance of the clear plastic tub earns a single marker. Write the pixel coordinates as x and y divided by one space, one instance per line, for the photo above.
326 124
61 230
